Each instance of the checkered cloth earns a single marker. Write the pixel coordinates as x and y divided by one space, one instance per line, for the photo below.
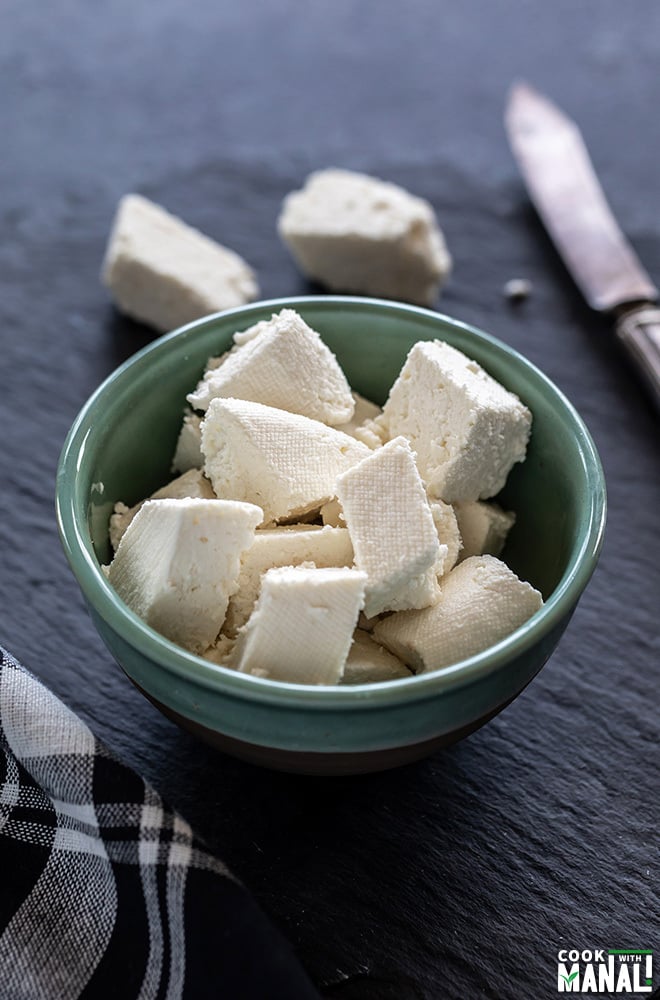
104 891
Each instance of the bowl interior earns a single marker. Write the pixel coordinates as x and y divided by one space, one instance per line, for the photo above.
132 427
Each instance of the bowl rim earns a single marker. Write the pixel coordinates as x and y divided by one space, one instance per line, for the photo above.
195 670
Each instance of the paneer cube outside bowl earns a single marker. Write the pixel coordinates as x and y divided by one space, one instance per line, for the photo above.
120 448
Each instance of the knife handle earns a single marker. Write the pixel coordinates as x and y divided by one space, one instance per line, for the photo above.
638 330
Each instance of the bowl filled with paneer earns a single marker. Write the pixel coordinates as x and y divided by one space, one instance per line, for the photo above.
330 534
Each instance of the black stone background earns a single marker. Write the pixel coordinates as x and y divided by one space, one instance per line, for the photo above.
458 877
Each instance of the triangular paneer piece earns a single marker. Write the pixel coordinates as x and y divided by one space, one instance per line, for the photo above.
284 462
281 362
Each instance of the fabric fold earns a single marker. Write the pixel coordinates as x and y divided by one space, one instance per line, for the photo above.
105 890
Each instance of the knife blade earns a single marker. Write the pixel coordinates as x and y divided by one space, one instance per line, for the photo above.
565 190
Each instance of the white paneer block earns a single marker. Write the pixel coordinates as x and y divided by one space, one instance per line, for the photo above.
444 518
188 451
178 563
389 519
369 663
355 233
288 546
284 364
302 626
484 527
190 484
466 429
163 272
286 463
482 602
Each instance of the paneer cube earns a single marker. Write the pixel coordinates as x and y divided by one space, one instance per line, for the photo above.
286 463
355 233
191 484
286 546
165 273
283 363
466 429
302 626
391 526
178 563
482 601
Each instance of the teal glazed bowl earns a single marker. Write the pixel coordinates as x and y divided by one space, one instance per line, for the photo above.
120 448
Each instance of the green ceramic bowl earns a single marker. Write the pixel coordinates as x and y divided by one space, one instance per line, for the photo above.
120 448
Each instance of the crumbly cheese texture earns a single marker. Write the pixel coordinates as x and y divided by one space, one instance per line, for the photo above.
484 527
369 663
446 524
356 233
364 412
178 564
371 433
284 364
482 601
302 626
220 651
285 546
284 462
190 484
165 273
466 429
188 450
391 526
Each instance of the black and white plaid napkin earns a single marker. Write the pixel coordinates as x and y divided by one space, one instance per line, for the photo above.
104 891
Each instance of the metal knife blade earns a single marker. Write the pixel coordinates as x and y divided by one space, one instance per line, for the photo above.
562 183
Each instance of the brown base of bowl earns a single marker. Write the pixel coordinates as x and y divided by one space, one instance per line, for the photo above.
312 762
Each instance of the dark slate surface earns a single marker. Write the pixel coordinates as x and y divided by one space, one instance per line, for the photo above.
461 876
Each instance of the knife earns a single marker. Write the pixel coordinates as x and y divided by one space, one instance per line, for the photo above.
563 186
